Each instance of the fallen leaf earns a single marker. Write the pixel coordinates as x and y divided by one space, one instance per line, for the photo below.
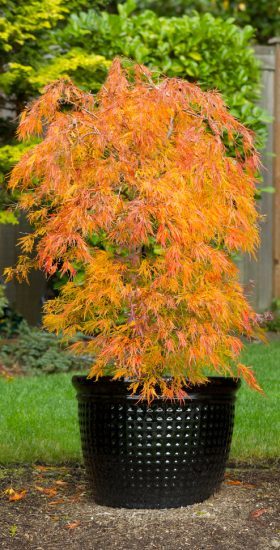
55 502
13 530
73 525
17 496
9 491
74 498
14 495
60 482
55 518
239 483
49 491
203 513
41 468
40 478
257 513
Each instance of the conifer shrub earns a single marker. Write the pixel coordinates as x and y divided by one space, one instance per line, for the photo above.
32 351
139 195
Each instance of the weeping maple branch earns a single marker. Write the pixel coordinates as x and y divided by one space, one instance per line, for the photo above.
142 220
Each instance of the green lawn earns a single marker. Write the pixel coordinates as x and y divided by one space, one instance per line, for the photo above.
38 415
257 418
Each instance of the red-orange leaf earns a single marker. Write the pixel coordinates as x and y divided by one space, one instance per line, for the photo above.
15 495
238 483
73 524
49 491
257 513
56 502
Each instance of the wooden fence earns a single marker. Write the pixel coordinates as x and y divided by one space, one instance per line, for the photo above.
25 298
257 276
260 277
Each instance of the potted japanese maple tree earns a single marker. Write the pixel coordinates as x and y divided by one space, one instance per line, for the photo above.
139 195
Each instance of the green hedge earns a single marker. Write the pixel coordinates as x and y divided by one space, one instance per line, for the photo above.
263 15
213 52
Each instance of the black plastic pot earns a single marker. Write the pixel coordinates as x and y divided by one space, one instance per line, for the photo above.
163 455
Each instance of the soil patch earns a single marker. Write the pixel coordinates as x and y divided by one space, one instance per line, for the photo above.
56 512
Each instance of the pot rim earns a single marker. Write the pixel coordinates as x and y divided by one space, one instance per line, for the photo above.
105 385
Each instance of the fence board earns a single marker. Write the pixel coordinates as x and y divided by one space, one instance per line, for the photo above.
276 235
257 275
25 299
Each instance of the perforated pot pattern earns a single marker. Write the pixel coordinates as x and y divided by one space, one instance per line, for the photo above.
168 454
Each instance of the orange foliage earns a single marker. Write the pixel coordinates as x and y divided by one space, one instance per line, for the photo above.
164 176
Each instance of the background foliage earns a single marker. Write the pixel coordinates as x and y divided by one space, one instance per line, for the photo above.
46 40
27 42
34 351
263 15
201 48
